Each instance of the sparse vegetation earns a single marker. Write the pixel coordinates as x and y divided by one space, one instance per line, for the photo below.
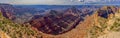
98 29
15 30
105 25
116 24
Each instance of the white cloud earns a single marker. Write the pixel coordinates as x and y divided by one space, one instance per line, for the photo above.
40 1
32 1
6 1
54 2
48 2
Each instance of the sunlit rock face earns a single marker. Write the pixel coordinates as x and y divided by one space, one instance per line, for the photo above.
106 10
7 11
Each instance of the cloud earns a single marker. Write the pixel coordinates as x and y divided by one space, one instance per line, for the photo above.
40 1
6 1
59 2
32 1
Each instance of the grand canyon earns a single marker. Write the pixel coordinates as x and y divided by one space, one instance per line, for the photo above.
58 21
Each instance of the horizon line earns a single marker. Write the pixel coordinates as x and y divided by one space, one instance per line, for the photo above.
59 4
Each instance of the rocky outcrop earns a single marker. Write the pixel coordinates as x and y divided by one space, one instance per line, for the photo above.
106 10
56 22
7 11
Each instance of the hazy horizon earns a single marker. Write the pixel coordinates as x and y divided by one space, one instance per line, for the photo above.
61 2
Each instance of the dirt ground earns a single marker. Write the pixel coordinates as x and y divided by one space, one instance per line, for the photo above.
111 35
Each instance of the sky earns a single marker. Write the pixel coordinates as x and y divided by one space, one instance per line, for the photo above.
59 2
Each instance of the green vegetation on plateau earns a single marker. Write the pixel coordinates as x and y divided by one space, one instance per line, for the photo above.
15 30
106 25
